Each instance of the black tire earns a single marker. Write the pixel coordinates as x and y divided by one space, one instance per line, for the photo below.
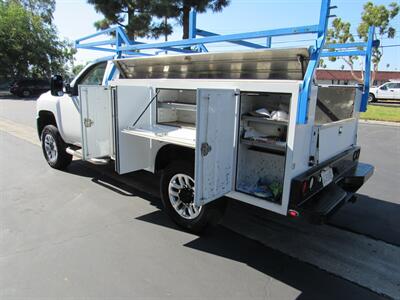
26 93
62 159
371 98
210 214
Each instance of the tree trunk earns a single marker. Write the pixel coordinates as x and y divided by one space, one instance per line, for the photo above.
358 79
165 26
131 34
185 22
374 74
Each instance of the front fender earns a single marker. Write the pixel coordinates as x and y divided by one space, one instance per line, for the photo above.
49 103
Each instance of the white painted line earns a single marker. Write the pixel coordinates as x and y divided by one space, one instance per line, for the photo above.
370 263
21 131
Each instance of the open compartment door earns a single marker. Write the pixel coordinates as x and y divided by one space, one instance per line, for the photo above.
95 102
132 152
216 131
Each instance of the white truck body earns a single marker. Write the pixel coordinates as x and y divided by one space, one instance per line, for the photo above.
122 121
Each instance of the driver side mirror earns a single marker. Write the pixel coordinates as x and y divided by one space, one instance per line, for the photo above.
384 87
57 85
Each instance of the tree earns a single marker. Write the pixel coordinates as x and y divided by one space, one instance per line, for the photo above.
164 10
43 8
379 16
29 47
201 6
77 68
141 18
134 15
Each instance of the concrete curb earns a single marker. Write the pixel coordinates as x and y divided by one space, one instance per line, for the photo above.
385 123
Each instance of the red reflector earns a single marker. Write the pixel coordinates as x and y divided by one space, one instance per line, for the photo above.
293 213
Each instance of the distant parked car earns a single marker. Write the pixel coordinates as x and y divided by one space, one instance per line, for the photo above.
389 90
29 87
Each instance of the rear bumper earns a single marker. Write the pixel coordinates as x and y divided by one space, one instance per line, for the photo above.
319 204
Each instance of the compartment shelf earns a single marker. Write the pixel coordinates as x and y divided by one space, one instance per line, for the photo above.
177 106
248 118
174 135
272 146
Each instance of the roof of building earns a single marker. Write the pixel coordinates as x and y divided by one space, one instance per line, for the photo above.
324 74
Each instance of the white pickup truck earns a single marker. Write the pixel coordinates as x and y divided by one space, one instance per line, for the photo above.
247 125
213 121
387 91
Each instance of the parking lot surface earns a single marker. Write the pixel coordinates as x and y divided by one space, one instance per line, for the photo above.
88 233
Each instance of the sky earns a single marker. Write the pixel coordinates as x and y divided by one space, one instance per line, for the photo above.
75 18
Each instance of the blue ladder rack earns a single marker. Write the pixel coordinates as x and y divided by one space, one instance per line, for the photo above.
122 46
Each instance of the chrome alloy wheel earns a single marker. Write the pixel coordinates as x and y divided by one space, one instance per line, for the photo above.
181 196
50 147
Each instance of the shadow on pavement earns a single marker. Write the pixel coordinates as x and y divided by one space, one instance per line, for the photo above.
141 184
371 217
311 281
368 216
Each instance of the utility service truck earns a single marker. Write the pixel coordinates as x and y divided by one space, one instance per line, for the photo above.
246 125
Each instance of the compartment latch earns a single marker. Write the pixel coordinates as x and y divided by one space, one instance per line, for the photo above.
88 122
205 149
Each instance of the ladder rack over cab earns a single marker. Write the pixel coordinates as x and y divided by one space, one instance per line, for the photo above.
248 125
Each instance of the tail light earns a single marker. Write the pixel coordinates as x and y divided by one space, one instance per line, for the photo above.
293 213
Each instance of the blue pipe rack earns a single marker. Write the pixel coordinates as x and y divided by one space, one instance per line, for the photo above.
122 46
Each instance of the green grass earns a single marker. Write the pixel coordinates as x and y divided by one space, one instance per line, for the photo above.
382 113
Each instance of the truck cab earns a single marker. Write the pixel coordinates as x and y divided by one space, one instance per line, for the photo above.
64 111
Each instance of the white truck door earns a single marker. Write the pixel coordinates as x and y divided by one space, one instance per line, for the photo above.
215 155
393 90
95 103
132 153
384 92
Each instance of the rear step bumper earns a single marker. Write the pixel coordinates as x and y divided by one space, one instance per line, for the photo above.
319 206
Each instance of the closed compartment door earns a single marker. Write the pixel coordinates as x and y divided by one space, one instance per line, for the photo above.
216 132
95 103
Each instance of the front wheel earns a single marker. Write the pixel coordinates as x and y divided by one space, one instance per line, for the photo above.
54 148
371 98
177 195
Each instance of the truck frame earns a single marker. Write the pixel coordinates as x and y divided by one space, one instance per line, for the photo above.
248 125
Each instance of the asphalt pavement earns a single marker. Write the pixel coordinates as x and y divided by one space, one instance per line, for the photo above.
90 234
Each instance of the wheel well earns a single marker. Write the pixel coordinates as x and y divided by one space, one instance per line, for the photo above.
45 118
169 153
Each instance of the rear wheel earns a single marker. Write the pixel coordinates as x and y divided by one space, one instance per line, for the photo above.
54 148
177 195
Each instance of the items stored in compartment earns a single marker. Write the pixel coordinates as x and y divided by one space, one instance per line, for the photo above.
262 148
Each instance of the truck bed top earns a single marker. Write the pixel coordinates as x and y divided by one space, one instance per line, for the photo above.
284 64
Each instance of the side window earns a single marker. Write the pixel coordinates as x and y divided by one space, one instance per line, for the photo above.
95 75
392 85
